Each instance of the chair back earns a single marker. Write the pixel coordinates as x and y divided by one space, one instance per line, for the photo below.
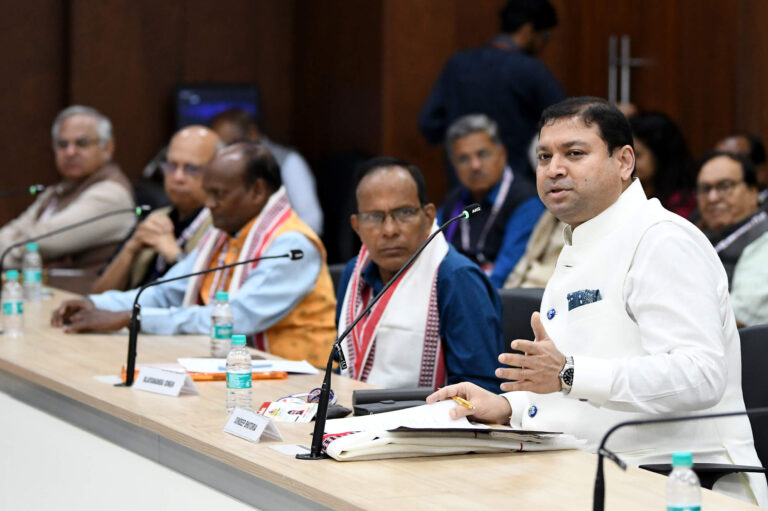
336 270
517 306
754 355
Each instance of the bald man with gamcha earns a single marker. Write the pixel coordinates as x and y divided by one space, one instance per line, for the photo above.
170 233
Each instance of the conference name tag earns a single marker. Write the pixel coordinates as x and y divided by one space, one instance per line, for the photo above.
251 426
168 383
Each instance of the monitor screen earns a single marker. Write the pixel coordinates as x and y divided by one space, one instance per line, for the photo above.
198 103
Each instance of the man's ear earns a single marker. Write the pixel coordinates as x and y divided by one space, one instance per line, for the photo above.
626 157
431 211
354 224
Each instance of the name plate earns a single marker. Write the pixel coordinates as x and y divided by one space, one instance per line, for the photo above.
251 426
168 383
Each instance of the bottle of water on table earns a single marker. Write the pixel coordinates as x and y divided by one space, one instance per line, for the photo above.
13 309
222 323
238 375
32 266
683 488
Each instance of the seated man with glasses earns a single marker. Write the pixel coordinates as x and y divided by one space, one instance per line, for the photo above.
170 233
441 321
727 194
91 185
496 237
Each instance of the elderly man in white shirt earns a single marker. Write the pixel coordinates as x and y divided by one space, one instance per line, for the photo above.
635 322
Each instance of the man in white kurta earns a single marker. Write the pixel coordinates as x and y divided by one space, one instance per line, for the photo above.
635 322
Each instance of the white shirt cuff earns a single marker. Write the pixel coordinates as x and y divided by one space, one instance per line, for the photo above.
518 401
592 378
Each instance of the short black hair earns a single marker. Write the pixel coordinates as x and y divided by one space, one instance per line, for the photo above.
381 162
239 118
259 164
517 13
612 125
747 167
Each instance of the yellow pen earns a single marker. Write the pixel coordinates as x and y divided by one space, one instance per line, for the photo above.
463 402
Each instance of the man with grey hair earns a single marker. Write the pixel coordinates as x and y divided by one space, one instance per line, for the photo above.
91 184
496 237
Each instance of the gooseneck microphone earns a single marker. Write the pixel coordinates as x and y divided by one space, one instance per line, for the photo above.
137 210
31 189
135 324
598 499
316 451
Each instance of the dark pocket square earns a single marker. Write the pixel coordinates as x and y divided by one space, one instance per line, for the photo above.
583 297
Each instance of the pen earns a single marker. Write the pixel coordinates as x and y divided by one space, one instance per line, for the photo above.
463 402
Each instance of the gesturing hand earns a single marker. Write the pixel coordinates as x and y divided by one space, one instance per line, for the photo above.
538 369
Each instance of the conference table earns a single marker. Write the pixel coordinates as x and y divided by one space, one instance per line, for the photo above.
70 440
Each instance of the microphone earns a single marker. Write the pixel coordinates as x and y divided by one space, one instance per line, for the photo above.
598 499
316 451
31 189
135 324
137 210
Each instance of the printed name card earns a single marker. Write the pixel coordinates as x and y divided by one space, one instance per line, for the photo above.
168 383
251 426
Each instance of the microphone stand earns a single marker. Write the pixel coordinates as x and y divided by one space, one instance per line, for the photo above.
138 210
316 451
598 500
135 324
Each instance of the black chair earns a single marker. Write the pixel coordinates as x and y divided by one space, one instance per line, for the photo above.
517 305
336 270
754 353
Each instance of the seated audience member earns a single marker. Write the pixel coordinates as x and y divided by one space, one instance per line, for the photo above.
752 147
287 304
170 233
749 285
91 184
496 237
440 322
635 323
664 165
727 193
238 125
538 262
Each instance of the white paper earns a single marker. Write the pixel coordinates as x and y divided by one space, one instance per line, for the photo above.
168 383
290 449
219 365
251 426
431 416
109 379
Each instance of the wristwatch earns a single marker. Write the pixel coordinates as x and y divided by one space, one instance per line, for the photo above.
566 376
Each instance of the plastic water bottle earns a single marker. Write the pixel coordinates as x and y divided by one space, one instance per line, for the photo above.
32 266
683 488
238 375
13 309
222 323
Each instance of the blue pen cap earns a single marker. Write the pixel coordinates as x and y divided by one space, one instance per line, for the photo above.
31 247
12 275
238 340
682 459
222 296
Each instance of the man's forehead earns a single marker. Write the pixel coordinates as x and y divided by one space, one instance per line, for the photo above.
569 132
78 123
719 168
396 181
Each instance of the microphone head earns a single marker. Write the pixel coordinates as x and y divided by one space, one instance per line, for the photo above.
296 254
35 189
471 210
144 208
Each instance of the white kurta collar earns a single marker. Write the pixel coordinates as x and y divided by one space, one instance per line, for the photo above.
611 218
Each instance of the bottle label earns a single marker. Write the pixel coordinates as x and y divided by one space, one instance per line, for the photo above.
683 508
221 331
238 380
11 308
33 276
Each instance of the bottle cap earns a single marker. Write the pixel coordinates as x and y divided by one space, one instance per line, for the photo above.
238 340
12 275
32 247
222 296
682 459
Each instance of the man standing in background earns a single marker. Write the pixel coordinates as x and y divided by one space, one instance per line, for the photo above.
503 80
